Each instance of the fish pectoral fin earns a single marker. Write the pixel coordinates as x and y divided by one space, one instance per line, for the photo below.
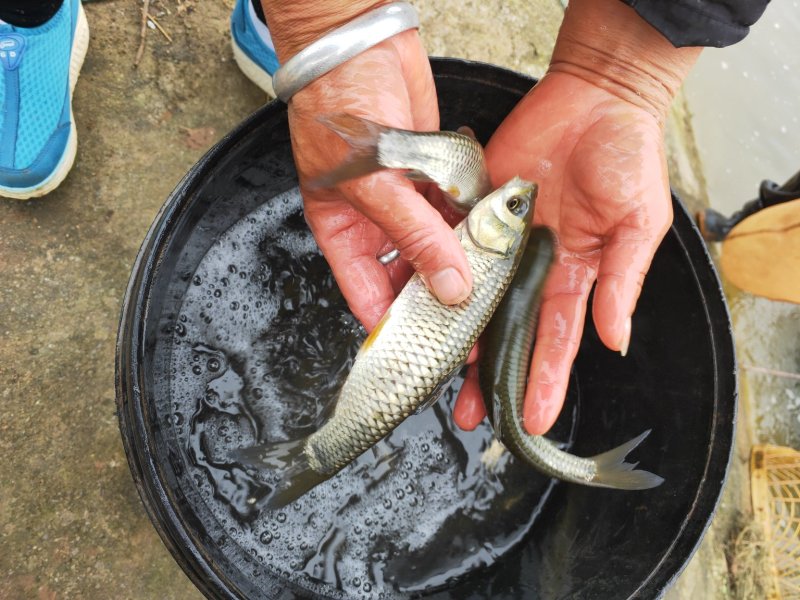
496 414
430 400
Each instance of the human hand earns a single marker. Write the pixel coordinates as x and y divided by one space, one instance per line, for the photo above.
363 218
390 83
595 146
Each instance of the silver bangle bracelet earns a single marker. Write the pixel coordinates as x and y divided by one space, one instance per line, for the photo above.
342 44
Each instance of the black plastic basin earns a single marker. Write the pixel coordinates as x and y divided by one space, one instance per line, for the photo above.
187 392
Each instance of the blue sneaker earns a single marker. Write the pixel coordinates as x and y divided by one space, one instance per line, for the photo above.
252 46
40 66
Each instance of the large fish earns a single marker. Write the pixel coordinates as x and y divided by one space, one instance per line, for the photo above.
506 348
412 353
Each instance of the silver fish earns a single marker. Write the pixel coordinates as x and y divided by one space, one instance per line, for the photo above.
412 353
508 342
506 348
453 161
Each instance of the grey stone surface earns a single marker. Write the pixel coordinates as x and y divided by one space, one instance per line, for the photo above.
71 523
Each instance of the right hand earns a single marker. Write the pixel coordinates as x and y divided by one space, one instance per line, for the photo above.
359 220
591 134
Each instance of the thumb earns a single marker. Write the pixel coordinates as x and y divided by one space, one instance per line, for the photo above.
417 230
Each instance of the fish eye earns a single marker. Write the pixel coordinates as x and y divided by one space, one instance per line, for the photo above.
516 205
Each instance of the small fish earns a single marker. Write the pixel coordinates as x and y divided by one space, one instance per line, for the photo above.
453 161
413 352
506 348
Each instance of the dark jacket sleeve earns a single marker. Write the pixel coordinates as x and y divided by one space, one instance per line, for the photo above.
700 22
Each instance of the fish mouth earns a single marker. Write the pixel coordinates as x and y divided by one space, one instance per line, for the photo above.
529 189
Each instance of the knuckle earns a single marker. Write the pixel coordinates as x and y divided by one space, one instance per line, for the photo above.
419 247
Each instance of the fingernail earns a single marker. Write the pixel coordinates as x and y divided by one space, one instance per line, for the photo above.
626 338
472 417
448 286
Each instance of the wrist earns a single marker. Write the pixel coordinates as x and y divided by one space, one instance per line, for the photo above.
606 43
294 24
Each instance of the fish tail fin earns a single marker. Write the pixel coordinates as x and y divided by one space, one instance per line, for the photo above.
290 461
362 135
614 472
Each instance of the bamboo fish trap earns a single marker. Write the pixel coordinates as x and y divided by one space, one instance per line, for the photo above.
775 489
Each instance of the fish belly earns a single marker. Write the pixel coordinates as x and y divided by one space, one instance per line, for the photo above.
421 344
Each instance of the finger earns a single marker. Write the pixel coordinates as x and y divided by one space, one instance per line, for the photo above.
469 409
560 327
417 73
623 264
348 242
399 274
417 230
473 355
435 197
399 270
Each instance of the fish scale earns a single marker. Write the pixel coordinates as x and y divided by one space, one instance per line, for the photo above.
421 342
452 161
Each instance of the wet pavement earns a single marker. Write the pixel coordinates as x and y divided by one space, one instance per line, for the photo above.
71 523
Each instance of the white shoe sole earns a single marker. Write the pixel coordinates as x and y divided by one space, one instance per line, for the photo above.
252 70
79 48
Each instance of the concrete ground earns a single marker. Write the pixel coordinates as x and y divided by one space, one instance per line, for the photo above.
71 523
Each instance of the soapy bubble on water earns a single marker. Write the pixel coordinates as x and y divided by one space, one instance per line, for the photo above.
269 374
